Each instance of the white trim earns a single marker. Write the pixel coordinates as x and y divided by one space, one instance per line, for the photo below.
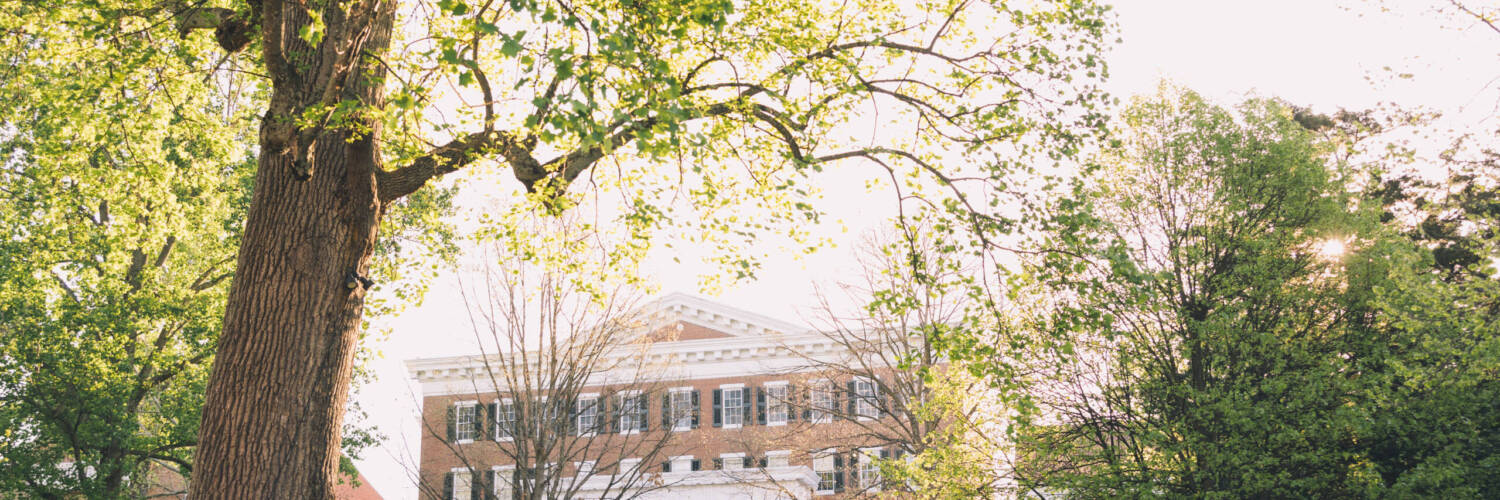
874 394
665 362
781 454
827 386
829 454
674 459
724 405
579 430
786 405
868 456
724 458
473 420
672 408
500 408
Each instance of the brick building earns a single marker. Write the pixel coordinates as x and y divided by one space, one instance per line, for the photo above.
733 405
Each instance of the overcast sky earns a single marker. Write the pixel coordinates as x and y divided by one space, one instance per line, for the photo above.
1323 54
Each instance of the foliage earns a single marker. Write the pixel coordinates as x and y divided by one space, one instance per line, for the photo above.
124 183
1203 345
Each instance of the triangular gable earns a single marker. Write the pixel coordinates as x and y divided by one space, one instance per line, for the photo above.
686 317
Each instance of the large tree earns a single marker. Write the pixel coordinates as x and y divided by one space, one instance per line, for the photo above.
367 101
1207 346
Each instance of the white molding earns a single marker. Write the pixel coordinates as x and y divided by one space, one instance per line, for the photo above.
758 345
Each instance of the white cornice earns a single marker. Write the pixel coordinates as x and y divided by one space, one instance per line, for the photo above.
669 361
761 345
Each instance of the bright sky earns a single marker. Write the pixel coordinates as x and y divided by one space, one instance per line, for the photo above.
1309 52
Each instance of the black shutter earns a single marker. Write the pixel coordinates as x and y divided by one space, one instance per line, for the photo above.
718 407
666 466
476 486
885 453
747 410
452 425
763 461
838 473
487 427
571 427
607 413
804 396
697 408
719 464
666 412
747 462
489 484
760 405
853 396
791 410
697 465
642 411
448 483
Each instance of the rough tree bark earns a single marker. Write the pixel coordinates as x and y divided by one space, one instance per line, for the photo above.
275 400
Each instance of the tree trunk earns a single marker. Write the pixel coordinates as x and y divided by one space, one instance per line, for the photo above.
275 399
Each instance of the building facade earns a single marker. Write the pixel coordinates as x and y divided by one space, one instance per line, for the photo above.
731 405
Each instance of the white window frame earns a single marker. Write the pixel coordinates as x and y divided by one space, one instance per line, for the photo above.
785 456
467 476
864 404
773 404
739 390
587 430
628 466
503 478
685 460
501 414
724 459
458 421
620 420
684 421
867 471
818 459
583 468
821 413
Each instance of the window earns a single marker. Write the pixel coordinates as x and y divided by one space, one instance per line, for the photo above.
823 464
734 405
463 483
864 402
822 402
504 476
776 403
583 468
632 412
779 458
869 469
628 466
732 461
683 463
505 420
682 408
465 421
588 414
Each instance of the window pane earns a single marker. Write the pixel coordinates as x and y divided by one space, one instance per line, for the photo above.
682 409
505 420
465 420
734 407
588 412
776 400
